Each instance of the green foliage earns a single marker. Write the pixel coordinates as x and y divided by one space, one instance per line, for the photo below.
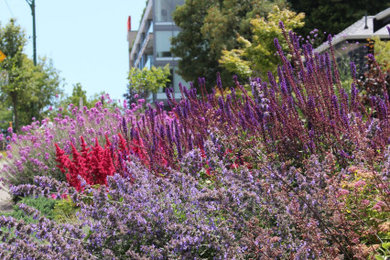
382 53
65 211
40 94
208 27
383 251
258 57
44 205
145 81
78 95
30 89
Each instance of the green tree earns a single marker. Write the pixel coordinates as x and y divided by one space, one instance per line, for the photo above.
210 26
335 15
257 57
44 85
78 94
145 81
12 42
30 88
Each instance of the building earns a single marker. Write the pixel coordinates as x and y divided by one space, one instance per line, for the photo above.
351 43
151 44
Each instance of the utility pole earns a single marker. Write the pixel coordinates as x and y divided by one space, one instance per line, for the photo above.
31 3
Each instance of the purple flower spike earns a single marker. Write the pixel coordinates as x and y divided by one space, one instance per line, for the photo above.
281 25
353 70
277 45
219 81
330 38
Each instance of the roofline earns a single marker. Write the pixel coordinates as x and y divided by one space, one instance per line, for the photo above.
383 14
360 37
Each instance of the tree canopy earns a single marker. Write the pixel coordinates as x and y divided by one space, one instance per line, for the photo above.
30 89
210 26
258 56
143 82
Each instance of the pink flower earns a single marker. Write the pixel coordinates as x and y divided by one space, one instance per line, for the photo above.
342 192
360 183
365 202
379 205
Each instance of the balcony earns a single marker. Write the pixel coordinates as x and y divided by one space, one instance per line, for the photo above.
146 48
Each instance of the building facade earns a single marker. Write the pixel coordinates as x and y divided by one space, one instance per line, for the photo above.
350 45
150 45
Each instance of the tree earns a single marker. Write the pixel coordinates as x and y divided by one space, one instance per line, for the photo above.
30 88
207 28
335 15
257 57
146 81
40 94
78 93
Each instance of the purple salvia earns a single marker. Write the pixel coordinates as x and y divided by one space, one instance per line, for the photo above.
328 68
124 127
335 104
221 102
177 139
278 47
353 70
193 92
169 135
264 88
235 79
227 108
255 92
281 25
132 133
354 94
184 90
219 82
162 132
242 120
272 81
283 87
190 143
382 109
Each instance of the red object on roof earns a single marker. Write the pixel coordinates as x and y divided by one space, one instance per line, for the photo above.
129 24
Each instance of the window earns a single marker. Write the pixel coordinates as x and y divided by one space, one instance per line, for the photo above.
164 9
163 43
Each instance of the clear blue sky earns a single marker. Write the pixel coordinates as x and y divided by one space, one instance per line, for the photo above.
86 39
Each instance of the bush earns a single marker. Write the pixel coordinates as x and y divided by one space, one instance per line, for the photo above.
44 205
298 168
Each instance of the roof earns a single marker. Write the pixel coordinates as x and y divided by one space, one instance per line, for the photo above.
376 26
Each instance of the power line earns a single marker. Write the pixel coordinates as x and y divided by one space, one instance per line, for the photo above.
9 9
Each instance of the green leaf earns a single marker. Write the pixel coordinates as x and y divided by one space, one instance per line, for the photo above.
386 245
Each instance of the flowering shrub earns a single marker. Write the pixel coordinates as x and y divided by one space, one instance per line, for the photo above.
298 168
93 165
240 213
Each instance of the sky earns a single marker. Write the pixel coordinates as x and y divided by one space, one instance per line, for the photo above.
85 39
